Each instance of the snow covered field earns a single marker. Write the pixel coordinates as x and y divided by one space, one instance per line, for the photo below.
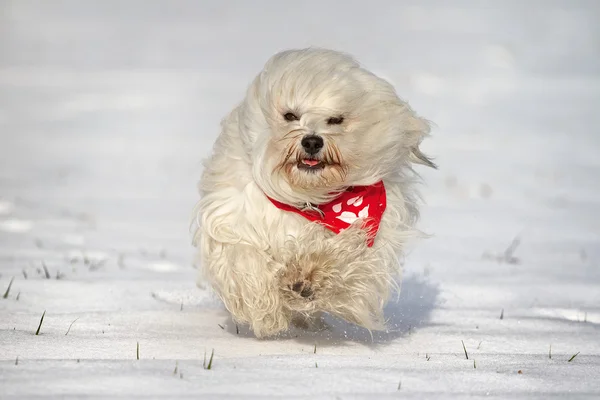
107 108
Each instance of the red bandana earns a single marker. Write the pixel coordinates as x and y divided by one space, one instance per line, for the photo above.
359 202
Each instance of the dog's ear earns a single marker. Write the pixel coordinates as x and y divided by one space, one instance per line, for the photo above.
417 157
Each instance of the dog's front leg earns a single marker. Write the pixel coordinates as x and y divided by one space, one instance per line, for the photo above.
246 279
339 275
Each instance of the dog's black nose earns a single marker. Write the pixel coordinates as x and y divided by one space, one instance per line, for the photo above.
312 144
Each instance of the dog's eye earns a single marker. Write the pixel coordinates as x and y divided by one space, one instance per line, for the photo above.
335 120
290 117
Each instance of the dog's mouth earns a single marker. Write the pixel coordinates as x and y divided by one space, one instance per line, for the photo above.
309 164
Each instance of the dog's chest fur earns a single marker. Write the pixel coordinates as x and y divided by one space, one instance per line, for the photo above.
274 225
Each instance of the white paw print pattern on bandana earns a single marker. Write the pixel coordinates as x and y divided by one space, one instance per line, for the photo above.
350 217
355 201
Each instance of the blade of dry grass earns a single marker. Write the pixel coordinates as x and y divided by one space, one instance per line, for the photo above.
40 325
8 288
68 330
46 272
212 354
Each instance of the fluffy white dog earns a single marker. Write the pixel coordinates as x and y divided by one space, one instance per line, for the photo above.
308 199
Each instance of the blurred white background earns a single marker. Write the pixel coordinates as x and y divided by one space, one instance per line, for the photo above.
109 106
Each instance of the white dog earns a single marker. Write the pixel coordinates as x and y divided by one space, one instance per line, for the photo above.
308 199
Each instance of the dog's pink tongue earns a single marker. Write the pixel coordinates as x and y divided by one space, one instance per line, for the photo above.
310 163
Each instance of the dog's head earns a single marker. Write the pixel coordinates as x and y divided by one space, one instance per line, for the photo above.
314 123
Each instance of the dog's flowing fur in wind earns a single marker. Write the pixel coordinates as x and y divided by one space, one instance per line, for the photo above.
271 267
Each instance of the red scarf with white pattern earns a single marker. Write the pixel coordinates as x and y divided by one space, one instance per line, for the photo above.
359 202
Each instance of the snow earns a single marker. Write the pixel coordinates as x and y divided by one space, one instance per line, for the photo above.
107 109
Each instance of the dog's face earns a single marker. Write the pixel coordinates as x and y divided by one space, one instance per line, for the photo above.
316 123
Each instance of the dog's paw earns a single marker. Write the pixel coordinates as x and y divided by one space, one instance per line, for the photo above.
306 282
300 285
303 288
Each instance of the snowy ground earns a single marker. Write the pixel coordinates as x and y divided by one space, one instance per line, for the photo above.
108 107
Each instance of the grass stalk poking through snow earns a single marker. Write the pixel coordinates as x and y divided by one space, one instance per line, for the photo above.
209 366
573 356
474 365
137 351
315 350
46 272
502 314
465 349
8 288
212 354
550 352
68 330
40 325
17 361
510 251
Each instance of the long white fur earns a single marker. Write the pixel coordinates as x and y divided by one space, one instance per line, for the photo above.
251 251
